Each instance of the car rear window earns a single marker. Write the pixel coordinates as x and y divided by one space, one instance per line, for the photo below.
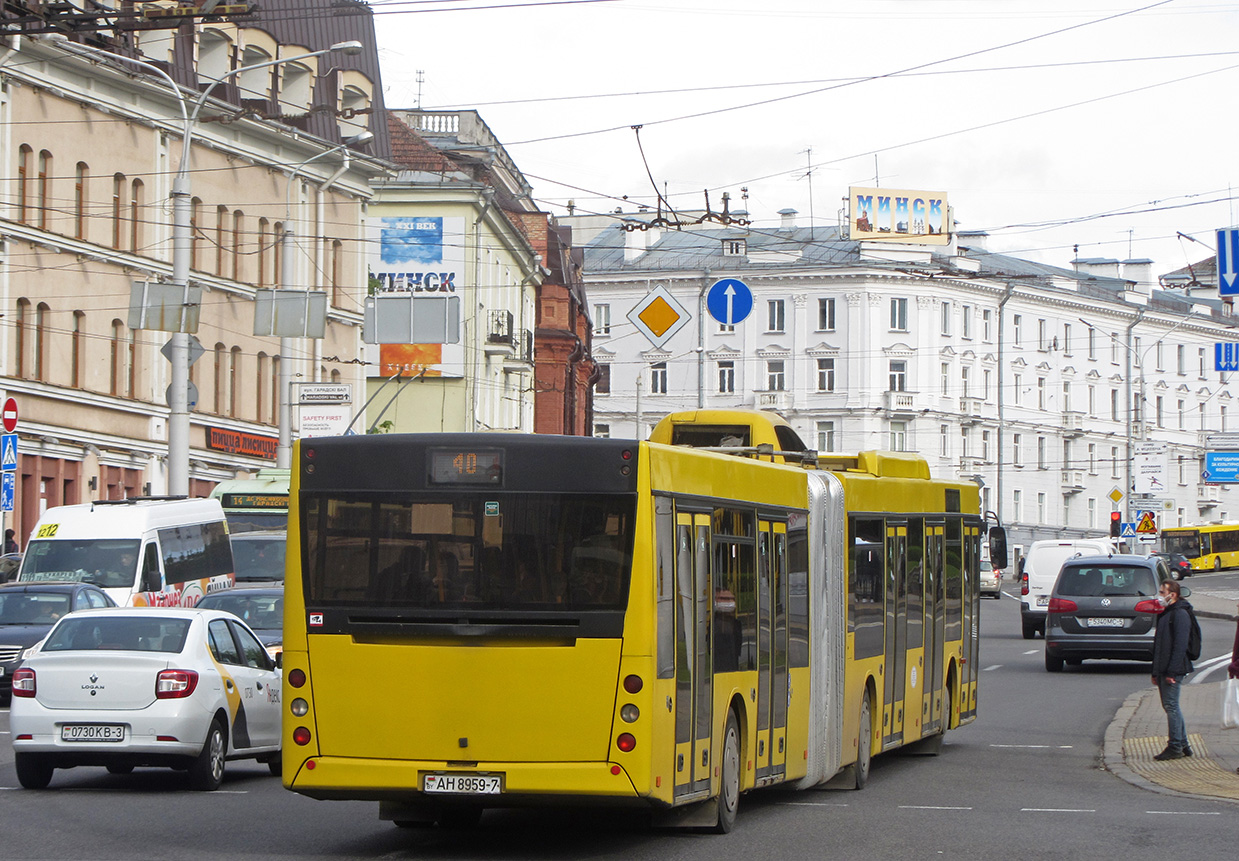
91 634
32 608
1110 581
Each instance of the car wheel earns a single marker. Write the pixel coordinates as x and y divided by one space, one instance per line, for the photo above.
1030 630
120 769
1053 663
728 801
33 771
864 744
207 772
276 766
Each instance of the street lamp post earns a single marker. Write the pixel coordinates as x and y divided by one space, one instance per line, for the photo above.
182 238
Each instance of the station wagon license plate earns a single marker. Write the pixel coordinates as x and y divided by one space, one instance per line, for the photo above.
1043 600
1105 623
92 732
463 784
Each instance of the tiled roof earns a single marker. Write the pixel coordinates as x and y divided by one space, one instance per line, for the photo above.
408 149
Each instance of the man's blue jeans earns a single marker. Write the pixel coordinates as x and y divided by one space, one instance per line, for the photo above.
1174 717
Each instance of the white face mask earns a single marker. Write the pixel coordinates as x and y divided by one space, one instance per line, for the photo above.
1163 600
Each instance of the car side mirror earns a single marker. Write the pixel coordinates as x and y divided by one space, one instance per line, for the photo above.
998 547
279 661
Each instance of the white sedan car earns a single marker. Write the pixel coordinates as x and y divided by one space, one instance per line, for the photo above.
126 687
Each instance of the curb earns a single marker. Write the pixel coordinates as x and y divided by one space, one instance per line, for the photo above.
1112 758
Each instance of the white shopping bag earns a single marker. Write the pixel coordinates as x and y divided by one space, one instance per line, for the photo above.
1230 704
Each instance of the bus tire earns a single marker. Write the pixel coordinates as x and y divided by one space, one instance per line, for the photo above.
33 771
864 743
1217 563
728 801
207 771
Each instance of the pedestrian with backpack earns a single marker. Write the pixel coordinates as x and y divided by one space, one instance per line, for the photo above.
1172 661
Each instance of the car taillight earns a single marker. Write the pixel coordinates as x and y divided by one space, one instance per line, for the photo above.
23 683
1061 605
1148 605
174 684
1024 585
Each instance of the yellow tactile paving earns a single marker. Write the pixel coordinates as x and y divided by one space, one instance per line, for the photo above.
1197 775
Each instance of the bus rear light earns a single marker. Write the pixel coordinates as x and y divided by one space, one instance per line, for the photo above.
175 684
301 735
1061 605
633 684
1148 605
626 454
23 683
299 707
626 742
629 713
296 678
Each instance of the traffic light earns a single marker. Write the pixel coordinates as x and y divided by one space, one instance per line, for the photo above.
1116 523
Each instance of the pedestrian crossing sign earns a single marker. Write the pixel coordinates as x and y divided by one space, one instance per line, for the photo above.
1128 531
8 451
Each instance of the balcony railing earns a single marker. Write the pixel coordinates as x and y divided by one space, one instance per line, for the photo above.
900 402
1073 481
772 400
1073 423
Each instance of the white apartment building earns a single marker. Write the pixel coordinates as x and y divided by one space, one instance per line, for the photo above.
1035 381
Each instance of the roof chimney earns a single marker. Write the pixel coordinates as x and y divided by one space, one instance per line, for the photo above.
789 219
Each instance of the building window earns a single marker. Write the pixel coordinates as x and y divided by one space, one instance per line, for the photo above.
899 315
965 379
726 377
1041 460
1114 461
337 272
1092 342
774 315
985 381
1157 356
40 340
80 200
898 375
965 449
825 436
733 247
1200 355
276 394
1017 505
1066 339
1092 400
221 232
234 382
965 315
220 380
195 234
260 389
1041 512
132 368
987 325
1092 512
238 244
21 325
1066 397
774 375
118 209
946 318
945 369
1042 343
1182 415
277 268
602 431
825 375
1159 404
602 319
1017 390
45 191
1180 360
135 216
944 440
1114 405
1114 348
1092 458
1017 449
899 436
264 249
117 371
603 384
724 328
1017 321
985 446
825 315
658 378
1041 393
24 156
75 350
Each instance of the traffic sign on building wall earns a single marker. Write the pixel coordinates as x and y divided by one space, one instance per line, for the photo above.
1228 261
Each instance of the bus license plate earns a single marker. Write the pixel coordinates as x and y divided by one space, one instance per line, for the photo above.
1105 623
463 784
92 732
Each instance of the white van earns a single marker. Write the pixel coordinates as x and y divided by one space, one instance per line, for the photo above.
142 552
1041 565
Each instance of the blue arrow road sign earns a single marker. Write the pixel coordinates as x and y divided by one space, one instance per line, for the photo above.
729 301
8 451
8 489
1226 357
1228 261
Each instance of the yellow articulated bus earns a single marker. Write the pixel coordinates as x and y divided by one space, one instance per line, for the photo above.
1211 547
488 620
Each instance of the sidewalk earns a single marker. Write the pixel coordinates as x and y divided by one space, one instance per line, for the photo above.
1138 732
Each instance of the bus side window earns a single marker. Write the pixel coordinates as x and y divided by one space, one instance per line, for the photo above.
151 580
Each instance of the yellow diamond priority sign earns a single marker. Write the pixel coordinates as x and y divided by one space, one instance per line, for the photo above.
658 316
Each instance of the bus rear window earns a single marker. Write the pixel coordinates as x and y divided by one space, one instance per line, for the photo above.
500 551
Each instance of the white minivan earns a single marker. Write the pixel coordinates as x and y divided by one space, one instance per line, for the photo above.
1041 565
142 552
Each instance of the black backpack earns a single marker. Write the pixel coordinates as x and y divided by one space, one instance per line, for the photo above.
1194 638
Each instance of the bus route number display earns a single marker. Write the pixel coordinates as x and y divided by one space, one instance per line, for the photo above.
466 466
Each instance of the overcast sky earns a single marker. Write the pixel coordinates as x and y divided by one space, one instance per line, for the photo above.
1109 125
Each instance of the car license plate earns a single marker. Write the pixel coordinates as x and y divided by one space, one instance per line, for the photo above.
1043 600
1105 623
92 732
463 784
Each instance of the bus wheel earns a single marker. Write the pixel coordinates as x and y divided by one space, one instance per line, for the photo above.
1217 563
729 790
864 744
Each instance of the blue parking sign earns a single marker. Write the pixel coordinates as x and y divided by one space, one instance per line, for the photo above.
8 490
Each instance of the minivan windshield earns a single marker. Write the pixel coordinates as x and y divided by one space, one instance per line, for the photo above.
110 563
1106 581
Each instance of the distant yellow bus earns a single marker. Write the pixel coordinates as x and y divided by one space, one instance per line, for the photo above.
1208 548
487 620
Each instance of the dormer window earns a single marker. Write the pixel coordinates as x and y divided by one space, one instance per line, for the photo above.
734 248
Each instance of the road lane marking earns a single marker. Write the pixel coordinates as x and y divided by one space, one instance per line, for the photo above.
815 804
1033 652
1183 812
1204 668
929 807
994 667
1035 746
1055 810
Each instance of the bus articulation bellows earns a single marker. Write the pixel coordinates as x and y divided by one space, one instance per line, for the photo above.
485 620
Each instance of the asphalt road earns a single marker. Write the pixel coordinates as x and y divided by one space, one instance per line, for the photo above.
1023 781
